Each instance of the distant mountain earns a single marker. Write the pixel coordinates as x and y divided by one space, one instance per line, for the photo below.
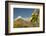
19 17
19 21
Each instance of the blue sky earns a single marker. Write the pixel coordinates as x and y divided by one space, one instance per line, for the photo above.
24 12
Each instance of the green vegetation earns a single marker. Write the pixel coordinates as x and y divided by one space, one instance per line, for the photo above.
35 19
